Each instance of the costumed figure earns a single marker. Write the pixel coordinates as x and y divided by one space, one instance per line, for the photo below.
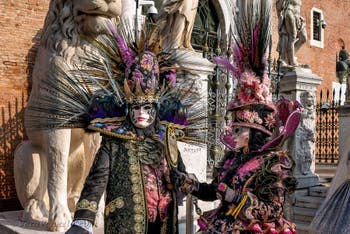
135 98
333 215
255 176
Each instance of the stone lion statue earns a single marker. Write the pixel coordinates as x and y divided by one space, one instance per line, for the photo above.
50 168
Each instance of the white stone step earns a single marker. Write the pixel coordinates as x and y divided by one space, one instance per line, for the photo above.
319 191
301 192
310 212
308 201
302 217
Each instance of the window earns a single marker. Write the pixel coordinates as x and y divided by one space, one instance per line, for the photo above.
317 28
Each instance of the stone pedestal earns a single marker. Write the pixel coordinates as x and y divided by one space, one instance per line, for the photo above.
344 126
11 224
301 85
342 171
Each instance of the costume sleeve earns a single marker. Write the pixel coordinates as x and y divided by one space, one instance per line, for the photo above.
95 185
205 191
266 202
208 191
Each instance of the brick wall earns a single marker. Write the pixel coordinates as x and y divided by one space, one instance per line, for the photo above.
322 60
20 25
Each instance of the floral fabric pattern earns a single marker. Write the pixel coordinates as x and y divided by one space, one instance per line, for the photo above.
264 179
157 195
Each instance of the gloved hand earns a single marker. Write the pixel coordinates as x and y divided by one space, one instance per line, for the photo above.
74 229
185 183
227 194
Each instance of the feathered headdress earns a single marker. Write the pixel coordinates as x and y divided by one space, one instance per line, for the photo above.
252 105
119 71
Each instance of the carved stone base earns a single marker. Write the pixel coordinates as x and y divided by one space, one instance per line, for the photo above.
301 85
306 181
11 224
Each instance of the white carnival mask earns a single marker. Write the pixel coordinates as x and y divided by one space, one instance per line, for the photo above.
240 136
142 116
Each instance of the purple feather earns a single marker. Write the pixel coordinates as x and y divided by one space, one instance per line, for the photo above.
255 44
126 53
225 63
238 57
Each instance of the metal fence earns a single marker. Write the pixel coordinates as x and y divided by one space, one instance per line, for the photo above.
327 127
12 133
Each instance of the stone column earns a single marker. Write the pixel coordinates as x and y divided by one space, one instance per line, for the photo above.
301 85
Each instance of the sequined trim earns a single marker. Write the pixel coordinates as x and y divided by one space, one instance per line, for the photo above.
87 205
138 196
117 203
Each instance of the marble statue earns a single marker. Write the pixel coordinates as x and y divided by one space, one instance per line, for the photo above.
305 135
50 168
176 19
291 30
305 150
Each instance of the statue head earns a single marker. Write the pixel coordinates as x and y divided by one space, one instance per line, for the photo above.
307 99
343 54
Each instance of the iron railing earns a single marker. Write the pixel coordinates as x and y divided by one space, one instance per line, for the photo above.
327 127
12 133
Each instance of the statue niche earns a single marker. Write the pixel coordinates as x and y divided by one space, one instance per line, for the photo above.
50 168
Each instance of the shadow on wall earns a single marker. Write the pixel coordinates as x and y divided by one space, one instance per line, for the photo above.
11 134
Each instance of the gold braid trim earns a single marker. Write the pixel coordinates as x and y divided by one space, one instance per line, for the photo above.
234 211
172 125
117 203
114 134
108 120
87 205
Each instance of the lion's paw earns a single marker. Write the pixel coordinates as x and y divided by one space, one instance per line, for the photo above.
60 219
34 211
